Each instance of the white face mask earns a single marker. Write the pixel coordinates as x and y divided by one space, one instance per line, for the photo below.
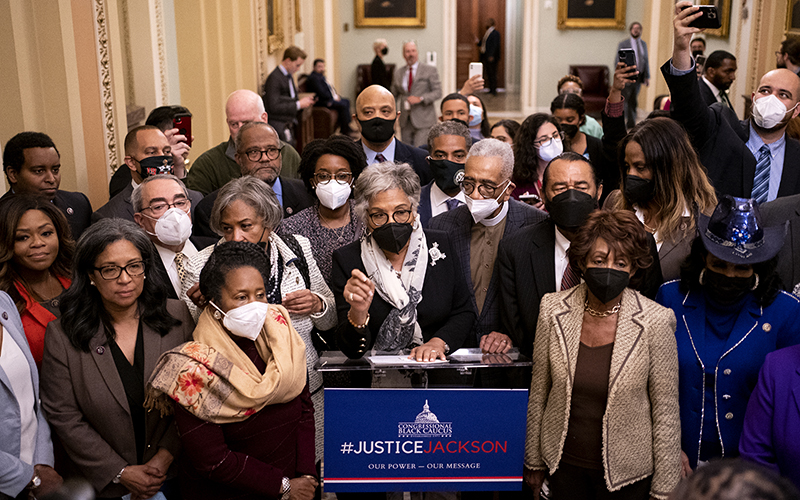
173 228
481 209
333 195
552 150
477 115
245 321
769 111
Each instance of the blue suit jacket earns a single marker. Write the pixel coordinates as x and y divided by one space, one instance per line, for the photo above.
458 225
15 474
756 332
771 434
424 210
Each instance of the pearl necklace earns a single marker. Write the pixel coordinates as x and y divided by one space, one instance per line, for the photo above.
602 314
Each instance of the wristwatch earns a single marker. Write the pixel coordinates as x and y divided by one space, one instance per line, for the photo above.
118 476
287 486
35 482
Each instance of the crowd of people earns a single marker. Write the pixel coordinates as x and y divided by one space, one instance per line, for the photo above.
164 345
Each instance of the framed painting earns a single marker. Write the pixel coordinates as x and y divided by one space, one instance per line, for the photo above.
793 18
724 9
603 14
274 31
389 13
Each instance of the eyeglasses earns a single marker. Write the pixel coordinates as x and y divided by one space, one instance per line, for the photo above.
545 141
485 190
158 208
255 155
112 272
340 177
381 218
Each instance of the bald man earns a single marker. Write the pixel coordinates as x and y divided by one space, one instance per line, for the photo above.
749 159
214 168
376 114
416 85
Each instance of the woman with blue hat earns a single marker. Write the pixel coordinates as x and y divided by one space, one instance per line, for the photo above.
731 313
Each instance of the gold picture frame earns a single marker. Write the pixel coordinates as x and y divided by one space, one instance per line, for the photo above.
274 26
389 13
724 9
596 14
793 18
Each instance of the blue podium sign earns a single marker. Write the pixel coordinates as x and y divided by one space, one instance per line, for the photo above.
424 439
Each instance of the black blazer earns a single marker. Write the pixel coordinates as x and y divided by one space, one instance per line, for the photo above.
722 142
492 47
706 92
444 311
526 265
417 158
458 225
278 101
295 198
120 205
317 84
778 212
379 73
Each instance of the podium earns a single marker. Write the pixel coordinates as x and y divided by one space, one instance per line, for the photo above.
423 438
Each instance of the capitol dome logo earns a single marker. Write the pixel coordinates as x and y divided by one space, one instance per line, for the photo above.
425 425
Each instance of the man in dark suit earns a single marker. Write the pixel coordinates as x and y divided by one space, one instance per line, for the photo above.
631 92
417 87
165 197
32 165
490 54
327 96
258 153
376 115
449 143
749 159
475 232
719 72
147 152
781 211
533 261
280 94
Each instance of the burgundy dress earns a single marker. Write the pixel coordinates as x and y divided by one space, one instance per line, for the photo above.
247 460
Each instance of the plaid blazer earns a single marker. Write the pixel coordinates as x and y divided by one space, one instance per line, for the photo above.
458 225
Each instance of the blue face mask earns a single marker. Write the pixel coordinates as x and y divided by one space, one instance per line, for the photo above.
477 115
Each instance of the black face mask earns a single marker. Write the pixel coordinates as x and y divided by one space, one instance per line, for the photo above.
446 174
377 130
392 237
155 165
385 51
724 290
569 130
570 209
638 190
696 53
606 283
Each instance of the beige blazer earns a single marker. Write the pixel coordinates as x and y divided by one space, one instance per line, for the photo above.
84 401
641 426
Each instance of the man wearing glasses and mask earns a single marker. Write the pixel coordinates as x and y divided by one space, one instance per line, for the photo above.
259 153
147 152
162 209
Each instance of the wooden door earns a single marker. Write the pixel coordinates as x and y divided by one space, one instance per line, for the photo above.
471 18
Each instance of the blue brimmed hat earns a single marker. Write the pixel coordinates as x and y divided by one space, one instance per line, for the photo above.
735 233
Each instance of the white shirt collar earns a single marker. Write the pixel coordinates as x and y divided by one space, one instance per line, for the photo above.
562 243
439 197
387 153
713 88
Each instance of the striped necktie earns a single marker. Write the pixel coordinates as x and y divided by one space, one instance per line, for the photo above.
761 181
570 277
379 158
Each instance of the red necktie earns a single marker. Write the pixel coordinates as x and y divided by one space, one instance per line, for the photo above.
410 77
570 278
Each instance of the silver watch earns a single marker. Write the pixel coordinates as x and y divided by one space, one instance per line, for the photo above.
35 482
286 487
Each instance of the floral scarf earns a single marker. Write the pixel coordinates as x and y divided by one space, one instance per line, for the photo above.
215 381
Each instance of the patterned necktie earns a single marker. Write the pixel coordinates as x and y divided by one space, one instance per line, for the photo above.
452 203
180 264
761 181
570 278
379 158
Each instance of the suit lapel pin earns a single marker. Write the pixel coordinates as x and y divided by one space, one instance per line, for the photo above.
435 253
766 327
289 210
100 349
5 315
70 211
